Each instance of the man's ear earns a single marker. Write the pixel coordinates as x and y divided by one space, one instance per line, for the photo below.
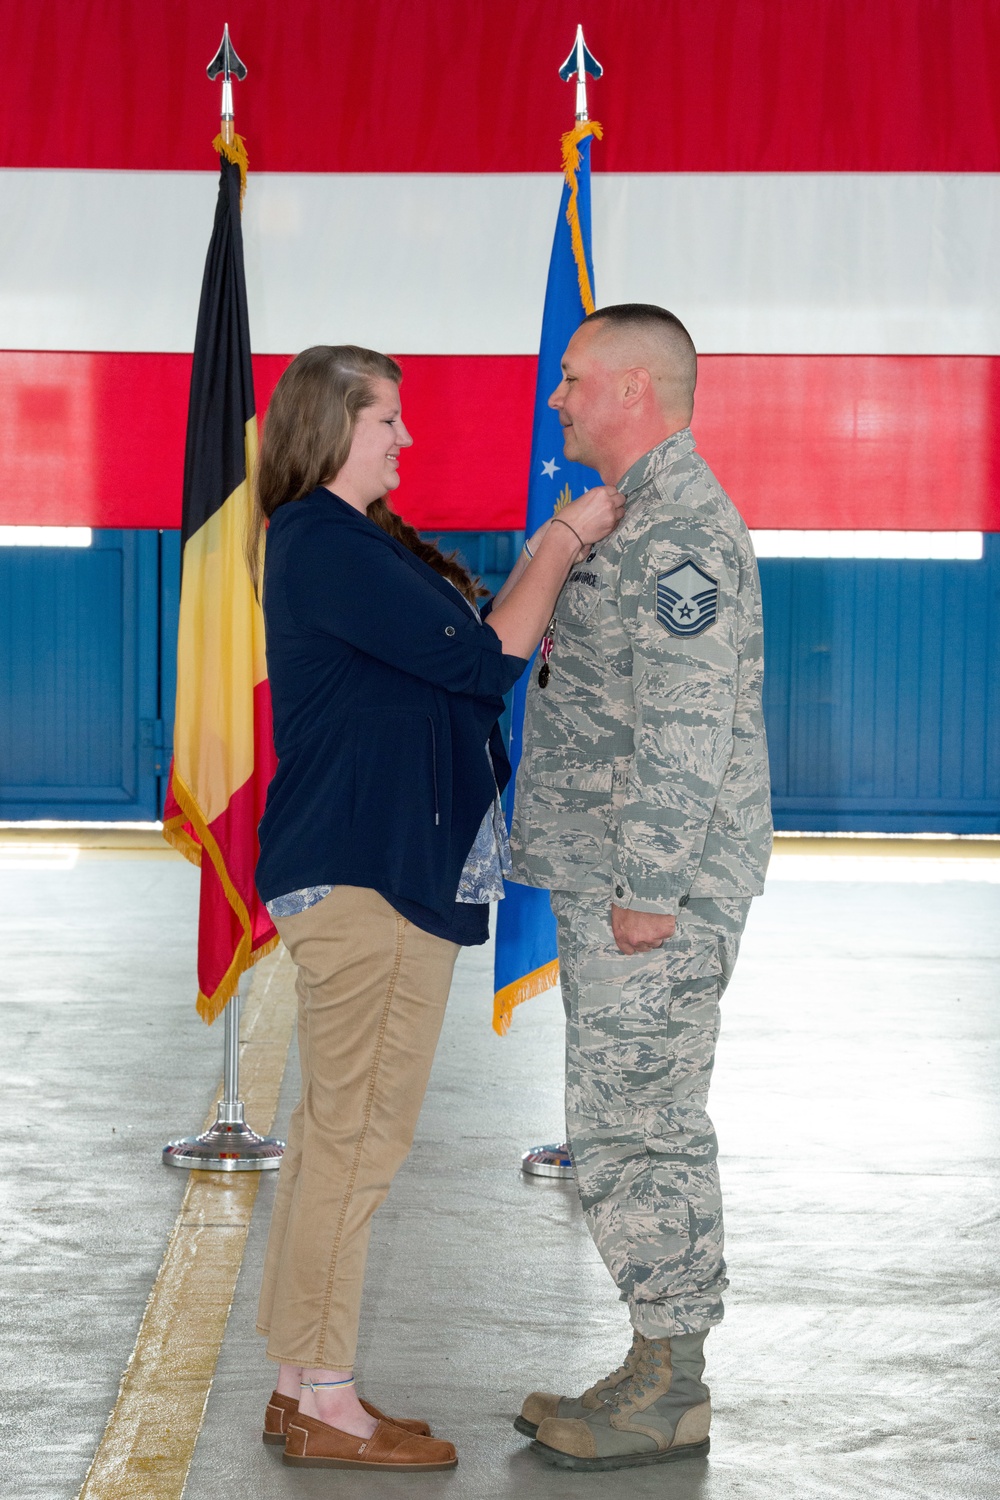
636 383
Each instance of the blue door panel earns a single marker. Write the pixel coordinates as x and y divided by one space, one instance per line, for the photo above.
79 679
882 685
488 555
882 693
170 608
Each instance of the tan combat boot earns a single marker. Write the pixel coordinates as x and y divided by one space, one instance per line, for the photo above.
541 1404
661 1412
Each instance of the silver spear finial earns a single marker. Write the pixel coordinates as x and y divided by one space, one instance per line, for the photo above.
229 65
581 62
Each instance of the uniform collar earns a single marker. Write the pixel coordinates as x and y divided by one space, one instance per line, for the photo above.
652 464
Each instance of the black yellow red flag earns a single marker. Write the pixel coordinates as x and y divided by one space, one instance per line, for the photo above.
223 748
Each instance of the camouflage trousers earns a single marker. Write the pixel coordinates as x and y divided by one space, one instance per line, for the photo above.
640 1046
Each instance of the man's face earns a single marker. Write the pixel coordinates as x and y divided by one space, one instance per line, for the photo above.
588 400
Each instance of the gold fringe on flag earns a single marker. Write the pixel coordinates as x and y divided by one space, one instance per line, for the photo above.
514 994
210 1007
236 152
571 165
176 834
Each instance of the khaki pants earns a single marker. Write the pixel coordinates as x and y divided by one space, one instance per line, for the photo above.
372 991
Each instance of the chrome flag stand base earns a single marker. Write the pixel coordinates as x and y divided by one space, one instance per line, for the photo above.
548 1161
230 1145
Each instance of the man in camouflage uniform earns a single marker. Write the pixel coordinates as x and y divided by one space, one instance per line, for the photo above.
643 805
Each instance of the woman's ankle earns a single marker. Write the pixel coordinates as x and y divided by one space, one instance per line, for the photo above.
330 1396
289 1381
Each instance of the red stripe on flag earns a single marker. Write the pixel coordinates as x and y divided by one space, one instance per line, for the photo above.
907 442
234 928
442 86
854 442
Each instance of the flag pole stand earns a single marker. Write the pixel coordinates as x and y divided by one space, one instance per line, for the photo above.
548 1161
229 1145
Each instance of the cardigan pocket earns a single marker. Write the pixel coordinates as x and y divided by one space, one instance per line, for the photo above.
396 770
434 772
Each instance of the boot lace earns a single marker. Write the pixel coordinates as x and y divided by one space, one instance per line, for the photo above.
644 1377
624 1371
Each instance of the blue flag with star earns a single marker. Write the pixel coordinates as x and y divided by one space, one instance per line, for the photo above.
526 962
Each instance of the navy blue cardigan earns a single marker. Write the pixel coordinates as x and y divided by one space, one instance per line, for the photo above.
385 690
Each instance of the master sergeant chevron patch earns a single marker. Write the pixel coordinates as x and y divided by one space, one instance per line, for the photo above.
687 599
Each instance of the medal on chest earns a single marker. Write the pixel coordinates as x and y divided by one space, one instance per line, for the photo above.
545 651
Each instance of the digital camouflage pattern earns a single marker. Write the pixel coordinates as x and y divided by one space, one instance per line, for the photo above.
644 782
644 772
640 1045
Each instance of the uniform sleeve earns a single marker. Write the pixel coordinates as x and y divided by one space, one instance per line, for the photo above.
353 586
679 594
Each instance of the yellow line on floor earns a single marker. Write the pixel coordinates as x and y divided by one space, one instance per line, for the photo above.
115 842
147 1446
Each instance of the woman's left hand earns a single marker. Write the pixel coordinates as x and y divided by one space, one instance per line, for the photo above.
595 515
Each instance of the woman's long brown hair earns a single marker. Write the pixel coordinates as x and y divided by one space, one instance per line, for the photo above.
307 437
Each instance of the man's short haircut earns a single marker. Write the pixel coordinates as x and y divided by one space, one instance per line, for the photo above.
661 329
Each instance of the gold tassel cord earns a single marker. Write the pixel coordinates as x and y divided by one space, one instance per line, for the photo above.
542 979
236 152
571 166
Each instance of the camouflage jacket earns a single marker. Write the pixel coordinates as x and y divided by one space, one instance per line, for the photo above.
644 766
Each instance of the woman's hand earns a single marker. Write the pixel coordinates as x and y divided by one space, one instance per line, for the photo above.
525 603
595 515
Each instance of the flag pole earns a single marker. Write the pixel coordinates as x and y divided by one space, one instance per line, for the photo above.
229 1145
557 1160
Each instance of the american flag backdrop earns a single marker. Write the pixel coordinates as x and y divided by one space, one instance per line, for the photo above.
809 184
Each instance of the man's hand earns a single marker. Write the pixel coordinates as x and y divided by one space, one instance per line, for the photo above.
639 931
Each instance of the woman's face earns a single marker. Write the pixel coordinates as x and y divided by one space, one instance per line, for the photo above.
373 463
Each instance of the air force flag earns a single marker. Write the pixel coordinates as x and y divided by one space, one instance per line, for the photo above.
526 962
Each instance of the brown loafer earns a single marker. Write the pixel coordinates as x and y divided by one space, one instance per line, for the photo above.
280 1408
276 1415
315 1445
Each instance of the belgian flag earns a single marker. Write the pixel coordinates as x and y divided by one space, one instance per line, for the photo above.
223 747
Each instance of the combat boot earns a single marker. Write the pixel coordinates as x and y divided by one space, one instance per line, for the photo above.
541 1404
659 1413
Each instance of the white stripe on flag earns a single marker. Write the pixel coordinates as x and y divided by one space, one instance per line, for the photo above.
45 536
957 546
810 263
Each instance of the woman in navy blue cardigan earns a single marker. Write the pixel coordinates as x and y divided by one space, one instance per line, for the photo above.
381 845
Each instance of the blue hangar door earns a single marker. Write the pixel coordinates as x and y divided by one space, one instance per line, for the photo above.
882 693
882 683
881 687
80 720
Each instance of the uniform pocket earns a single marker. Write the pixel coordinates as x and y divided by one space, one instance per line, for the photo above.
580 596
649 1022
550 770
568 813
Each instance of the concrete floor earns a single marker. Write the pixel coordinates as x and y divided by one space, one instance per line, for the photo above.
102 1060
856 1098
